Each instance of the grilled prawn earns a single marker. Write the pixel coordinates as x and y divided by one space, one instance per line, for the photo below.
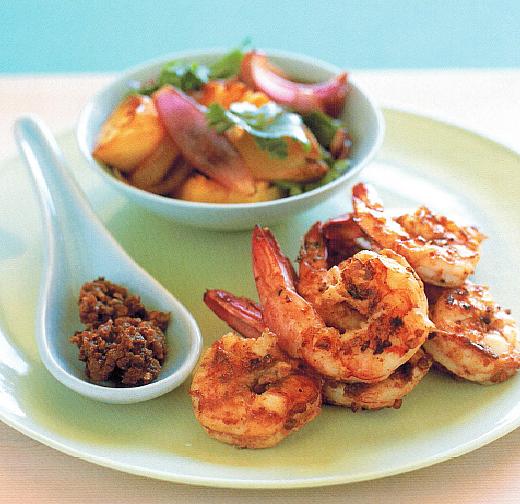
476 338
381 287
248 393
441 252
245 315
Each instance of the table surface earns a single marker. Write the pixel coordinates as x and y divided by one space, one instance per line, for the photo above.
486 101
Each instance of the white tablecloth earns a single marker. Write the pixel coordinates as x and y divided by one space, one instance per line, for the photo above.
484 101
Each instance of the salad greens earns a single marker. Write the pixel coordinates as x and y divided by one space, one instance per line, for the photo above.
323 126
336 169
185 76
229 65
269 125
192 76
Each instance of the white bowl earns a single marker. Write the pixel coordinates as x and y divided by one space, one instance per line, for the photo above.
363 118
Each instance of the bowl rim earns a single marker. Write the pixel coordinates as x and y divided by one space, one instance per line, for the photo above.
128 75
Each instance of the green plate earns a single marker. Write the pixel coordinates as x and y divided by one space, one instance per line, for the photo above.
422 162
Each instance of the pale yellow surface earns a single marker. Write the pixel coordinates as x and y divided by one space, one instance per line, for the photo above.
30 472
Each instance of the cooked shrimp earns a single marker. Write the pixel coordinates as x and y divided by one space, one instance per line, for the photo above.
313 277
442 252
382 287
475 339
248 393
313 262
388 393
240 312
344 238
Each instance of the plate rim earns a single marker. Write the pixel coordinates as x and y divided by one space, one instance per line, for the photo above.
499 431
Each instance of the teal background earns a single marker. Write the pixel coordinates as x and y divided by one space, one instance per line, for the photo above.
92 36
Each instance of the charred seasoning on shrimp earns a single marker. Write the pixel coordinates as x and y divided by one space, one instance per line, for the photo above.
382 287
248 393
388 393
476 338
441 252
243 313
313 269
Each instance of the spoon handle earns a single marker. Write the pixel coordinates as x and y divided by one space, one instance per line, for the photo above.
60 196
73 236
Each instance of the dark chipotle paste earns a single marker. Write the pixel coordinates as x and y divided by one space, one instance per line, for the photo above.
123 341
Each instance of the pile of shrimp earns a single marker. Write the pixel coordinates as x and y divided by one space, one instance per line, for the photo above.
377 300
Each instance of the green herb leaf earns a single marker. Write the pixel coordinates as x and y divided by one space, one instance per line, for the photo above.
147 88
323 126
190 76
229 65
336 169
185 76
216 117
270 125
277 147
290 188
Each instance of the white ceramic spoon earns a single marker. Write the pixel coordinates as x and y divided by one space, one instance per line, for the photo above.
78 249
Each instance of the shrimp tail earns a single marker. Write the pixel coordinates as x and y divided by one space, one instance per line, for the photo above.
240 313
275 282
270 266
366 195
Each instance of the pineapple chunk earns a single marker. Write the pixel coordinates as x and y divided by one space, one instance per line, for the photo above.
227 92
202 189
298 166
173 179
154 168
130 134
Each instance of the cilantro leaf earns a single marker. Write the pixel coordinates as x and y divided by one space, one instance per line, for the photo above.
217 117
277 147
269 125
290 188
323 126
192 76
147 88
336 169
229 65
185 76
